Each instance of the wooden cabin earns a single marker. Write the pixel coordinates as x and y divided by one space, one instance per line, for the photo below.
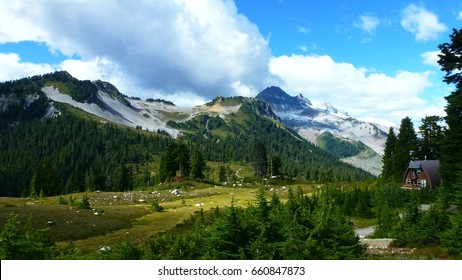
422 174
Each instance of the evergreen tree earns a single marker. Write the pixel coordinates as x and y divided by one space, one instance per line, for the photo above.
183 160
387 159
260 160
231 236
197 165
222 174
451 153
123 178
168 164
44 180
432 135
405 148
275 166
27 243
76 181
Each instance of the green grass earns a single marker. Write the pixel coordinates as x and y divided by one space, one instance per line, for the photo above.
363 222
131 216
231 102
62 87
121 215
175 116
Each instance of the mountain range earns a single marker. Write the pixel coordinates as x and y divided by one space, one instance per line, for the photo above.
287 125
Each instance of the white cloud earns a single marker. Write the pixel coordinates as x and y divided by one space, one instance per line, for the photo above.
353 89
303 48
302 29
368 23
203 47
459 16
431 58
13 68
421 22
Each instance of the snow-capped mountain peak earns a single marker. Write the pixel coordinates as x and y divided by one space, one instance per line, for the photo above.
311 121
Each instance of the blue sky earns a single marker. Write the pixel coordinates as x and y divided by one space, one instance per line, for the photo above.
372 59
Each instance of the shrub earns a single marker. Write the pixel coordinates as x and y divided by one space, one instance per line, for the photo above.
156 206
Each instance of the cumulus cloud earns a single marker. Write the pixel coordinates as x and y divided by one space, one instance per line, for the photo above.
431 58
202 47
368 23
421 22
13 68
353 89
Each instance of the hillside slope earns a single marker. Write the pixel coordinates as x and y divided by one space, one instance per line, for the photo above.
90 136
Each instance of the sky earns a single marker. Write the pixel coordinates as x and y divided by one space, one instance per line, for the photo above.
370 59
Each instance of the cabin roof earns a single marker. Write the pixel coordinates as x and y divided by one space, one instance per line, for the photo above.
431 167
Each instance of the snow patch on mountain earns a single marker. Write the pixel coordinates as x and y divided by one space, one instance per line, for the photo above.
144 115
311 120
152 116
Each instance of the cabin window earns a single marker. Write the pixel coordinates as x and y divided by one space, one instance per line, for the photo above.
408 181
419 171
424 183
419 181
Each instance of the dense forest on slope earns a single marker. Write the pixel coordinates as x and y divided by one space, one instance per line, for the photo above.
234 137
73 153
339 147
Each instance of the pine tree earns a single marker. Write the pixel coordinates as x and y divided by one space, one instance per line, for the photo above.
275 165
27 243
183 160
222 174
44 180
432 135
451 153
168 164
197 165
405 148
387 159
260 160
123 178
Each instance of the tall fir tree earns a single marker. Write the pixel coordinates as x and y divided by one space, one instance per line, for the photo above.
123 178
198 165
275 165
450 61
168 163
44 180
387 158
405 148
260 160
183 160
431 136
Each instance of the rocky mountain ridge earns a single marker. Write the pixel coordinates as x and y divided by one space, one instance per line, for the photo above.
313 122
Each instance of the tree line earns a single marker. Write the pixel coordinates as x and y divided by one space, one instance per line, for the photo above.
70 154
405 146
